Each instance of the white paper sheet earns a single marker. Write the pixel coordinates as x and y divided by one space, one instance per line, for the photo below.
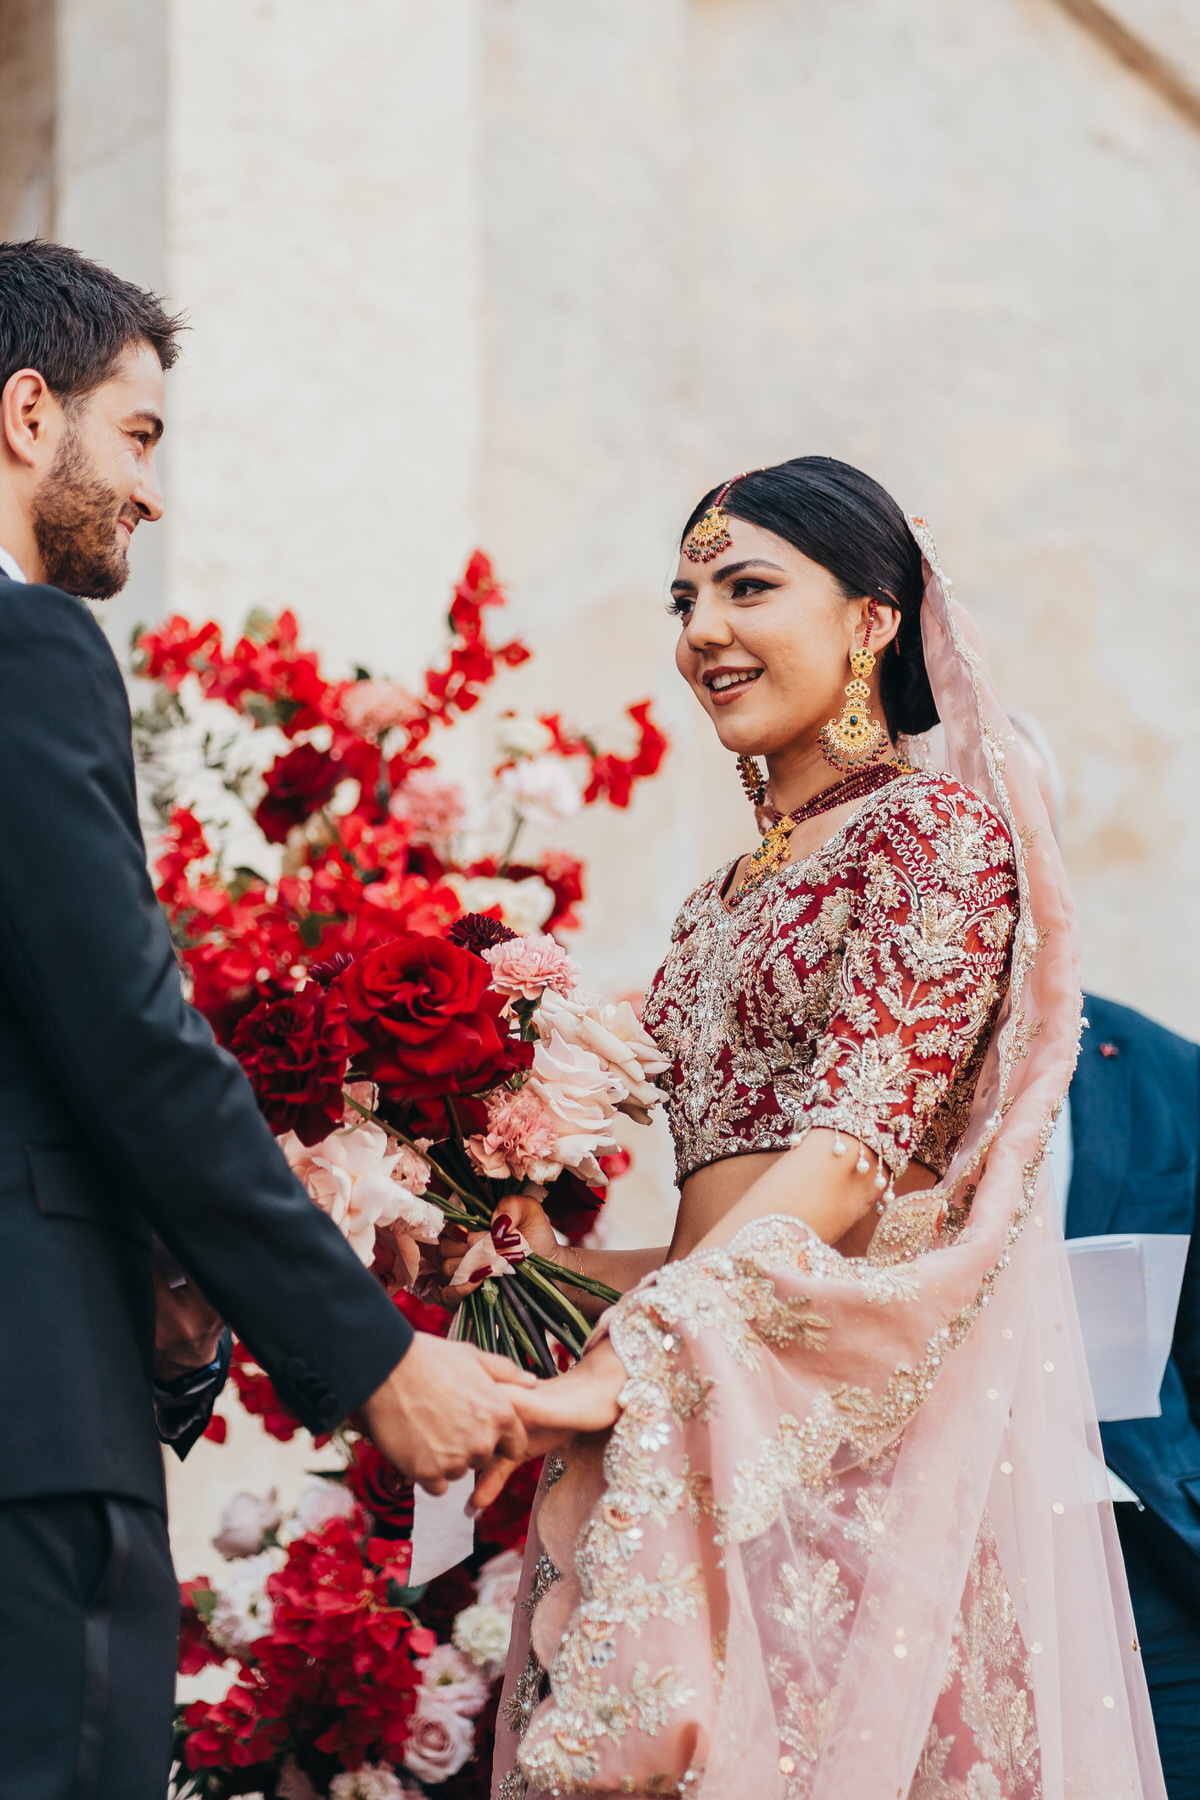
442 1533
1127 1291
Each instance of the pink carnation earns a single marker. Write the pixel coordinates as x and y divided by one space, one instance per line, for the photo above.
433 807
521 1140
372 707
528 965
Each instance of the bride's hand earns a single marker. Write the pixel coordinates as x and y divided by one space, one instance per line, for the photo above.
528 1217
585 1399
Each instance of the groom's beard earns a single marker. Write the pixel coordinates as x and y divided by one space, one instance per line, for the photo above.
75 521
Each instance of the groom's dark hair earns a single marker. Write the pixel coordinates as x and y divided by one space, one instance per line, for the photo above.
71 319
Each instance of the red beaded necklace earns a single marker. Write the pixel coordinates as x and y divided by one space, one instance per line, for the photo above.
772 852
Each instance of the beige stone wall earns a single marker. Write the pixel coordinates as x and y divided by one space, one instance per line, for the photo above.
534 275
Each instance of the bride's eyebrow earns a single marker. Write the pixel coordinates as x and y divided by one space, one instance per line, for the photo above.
751 562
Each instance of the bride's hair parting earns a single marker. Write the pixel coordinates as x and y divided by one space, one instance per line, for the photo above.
840 518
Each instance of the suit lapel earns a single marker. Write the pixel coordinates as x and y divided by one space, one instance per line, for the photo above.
1101 1127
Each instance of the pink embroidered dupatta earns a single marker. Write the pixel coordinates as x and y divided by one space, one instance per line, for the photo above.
851 1538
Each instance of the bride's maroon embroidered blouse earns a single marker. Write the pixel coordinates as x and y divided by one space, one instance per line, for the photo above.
855 990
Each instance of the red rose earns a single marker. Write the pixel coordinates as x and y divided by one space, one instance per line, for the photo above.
382 1489
294 1052
424 1020
297 784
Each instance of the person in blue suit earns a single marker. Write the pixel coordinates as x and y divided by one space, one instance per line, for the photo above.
1135 1158
1127 1156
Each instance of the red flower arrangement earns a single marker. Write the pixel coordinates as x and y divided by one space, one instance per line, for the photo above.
410 1076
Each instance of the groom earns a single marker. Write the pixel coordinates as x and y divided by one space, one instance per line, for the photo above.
119 1116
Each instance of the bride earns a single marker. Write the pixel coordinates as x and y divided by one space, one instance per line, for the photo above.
822 1515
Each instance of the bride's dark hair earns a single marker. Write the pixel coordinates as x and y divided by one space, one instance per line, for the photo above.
851 526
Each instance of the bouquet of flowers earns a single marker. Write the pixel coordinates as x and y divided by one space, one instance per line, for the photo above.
427 1079
392 979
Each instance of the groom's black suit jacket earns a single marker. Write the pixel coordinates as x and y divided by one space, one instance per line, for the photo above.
119 1114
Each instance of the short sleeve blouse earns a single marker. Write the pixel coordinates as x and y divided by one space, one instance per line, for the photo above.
855 990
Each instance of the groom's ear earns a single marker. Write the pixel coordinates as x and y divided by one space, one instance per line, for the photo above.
32 421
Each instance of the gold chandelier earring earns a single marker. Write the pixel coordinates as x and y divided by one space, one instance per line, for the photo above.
855 737
753 782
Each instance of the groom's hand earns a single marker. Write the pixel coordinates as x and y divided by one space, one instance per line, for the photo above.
446 1408
187 1330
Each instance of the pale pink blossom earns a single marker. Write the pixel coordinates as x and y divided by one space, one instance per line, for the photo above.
617 1037
521 1138
372 707
320 1502
498 1581
580 1094
245 1522
440 1740
526 966
351 1176
542 790
452 1680
433 807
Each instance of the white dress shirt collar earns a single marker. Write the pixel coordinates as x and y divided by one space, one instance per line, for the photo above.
12 567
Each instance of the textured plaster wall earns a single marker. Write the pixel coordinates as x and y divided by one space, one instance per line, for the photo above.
536 275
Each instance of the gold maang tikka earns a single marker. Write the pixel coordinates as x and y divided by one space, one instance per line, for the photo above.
710 535
855 737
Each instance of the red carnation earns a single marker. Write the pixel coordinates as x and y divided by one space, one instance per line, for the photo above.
297 784
294 1052
425 1022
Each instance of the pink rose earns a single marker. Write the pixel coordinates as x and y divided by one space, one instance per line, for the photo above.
498 1581
373 707
245 1522
451 1679
526 966
521 1139
440 1740
433 807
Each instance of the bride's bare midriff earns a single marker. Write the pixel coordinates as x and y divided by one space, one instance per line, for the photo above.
708 1195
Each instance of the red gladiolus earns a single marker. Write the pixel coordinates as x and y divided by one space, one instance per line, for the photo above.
294 1053
424 1021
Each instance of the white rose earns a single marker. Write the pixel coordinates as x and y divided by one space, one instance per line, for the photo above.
542 790
482 1633
245 1522
243 1612
524 905
498 1581
440 1740
452 1680
523 737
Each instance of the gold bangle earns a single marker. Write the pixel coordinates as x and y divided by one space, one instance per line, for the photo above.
574 1252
